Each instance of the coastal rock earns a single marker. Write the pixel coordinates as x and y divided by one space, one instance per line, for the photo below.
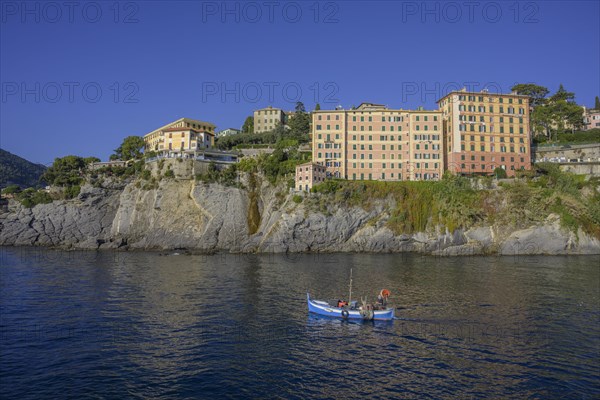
549 239
183 214
76 223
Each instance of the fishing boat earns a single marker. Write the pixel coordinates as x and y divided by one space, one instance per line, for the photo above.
351 309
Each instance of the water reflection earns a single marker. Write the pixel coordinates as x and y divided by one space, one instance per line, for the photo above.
237 325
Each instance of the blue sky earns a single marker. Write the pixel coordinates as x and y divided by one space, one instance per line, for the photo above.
78 79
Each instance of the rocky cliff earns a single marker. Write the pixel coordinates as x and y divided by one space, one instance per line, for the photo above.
210 217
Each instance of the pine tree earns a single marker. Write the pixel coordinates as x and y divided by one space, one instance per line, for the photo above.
248 126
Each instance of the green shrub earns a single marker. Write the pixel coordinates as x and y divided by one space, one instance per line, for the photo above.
41 197
227 176
169 174
500 173
454 203
297 199
72 191
31 197
12 189
248 164
591 136
27 202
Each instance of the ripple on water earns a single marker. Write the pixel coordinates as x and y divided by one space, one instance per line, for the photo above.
209 326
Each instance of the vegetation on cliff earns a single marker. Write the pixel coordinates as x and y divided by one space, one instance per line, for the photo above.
67 174
580 137
227 176
459 202
275 167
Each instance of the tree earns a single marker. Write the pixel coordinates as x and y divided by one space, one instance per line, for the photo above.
300 126
562 94
597 103
541 119
554 114
248 126
569 114
279 132
536 93
65 171
300 107
89 160
318 106
131 148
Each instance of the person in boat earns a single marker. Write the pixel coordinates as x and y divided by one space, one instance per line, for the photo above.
383 297
342 303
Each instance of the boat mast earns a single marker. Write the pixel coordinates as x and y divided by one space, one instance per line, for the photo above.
350 294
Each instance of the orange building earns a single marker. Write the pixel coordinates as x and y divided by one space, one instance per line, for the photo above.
484 131
309 174
376 143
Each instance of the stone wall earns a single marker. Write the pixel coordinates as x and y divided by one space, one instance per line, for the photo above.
182 168
585 168
567 153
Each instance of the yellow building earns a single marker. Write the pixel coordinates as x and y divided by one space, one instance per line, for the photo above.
182 136
484 131
376 143
267 119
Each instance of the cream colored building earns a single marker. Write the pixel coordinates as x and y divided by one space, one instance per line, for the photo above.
373 142
183 135
267 119
308 175
484 131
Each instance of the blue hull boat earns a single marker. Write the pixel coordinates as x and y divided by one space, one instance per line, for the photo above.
324 308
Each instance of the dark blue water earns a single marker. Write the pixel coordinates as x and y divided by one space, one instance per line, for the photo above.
143 325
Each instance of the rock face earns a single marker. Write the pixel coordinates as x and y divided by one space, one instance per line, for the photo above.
202 217
82 223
